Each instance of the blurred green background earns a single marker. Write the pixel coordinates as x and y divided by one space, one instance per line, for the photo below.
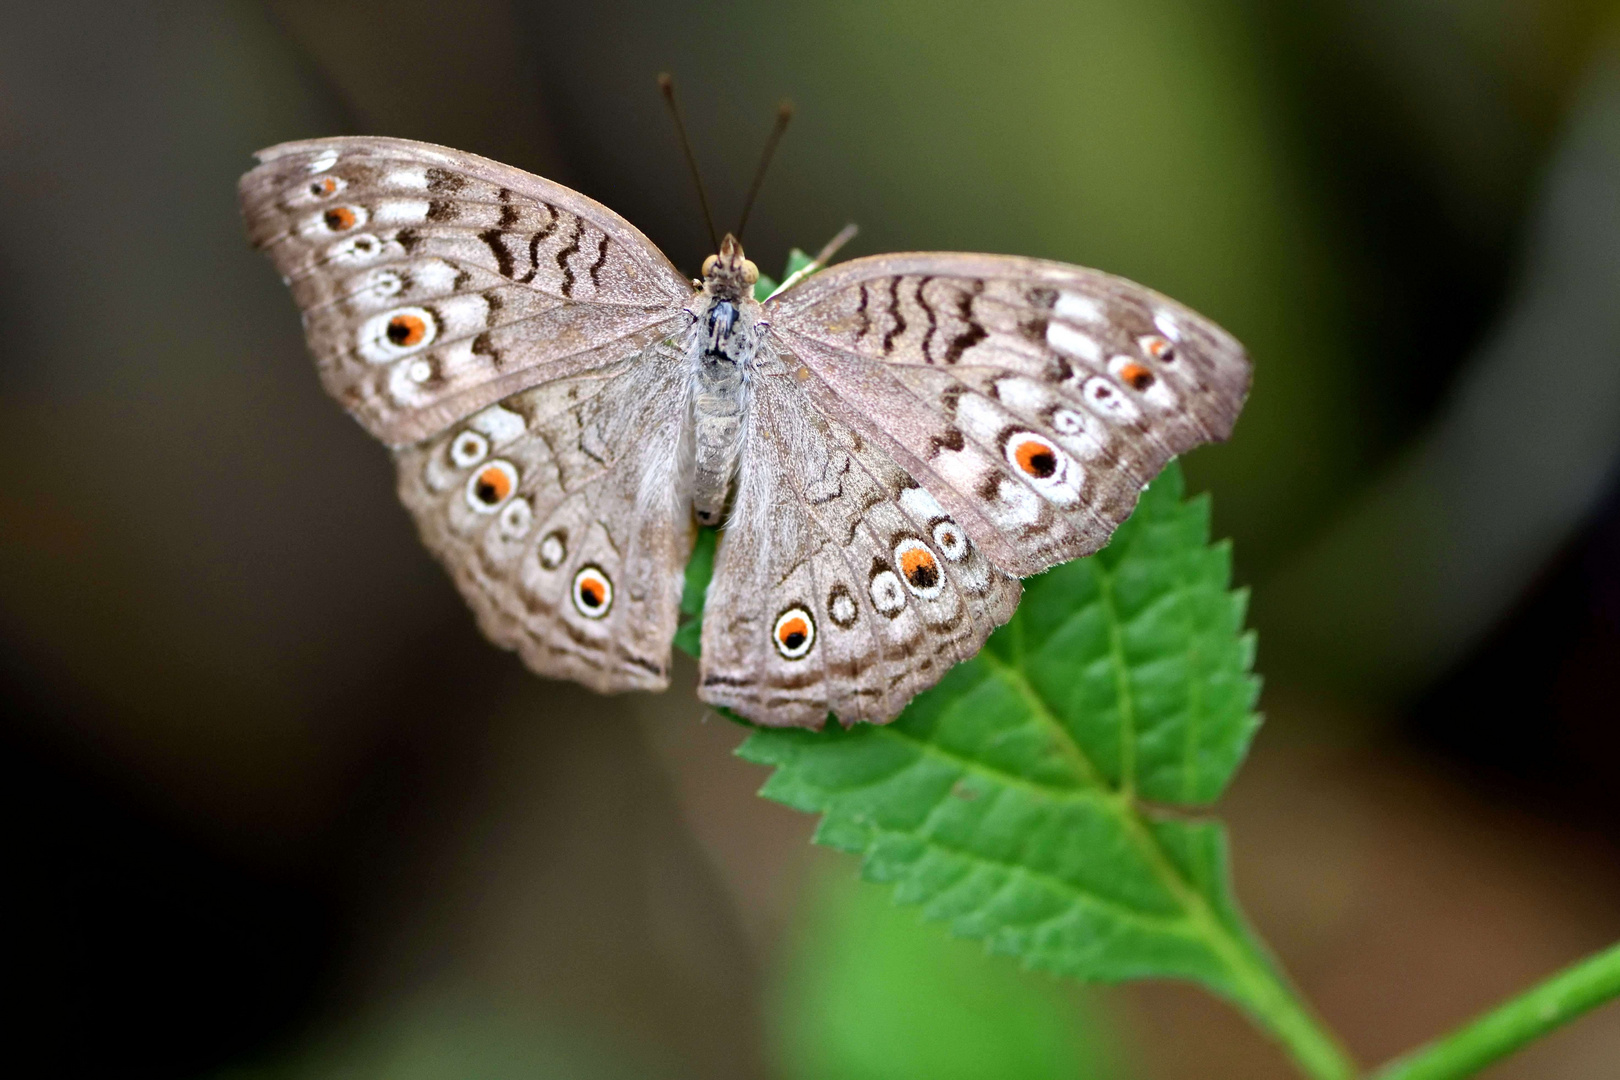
275 808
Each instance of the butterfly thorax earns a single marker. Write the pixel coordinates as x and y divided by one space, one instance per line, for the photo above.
720 348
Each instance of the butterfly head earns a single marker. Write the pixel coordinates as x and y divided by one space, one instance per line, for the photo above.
728 275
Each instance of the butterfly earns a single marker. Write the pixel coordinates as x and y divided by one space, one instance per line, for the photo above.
890 443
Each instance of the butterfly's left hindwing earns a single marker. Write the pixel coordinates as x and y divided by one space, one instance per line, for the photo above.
562 517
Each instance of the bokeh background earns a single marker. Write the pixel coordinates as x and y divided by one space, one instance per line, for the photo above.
273 808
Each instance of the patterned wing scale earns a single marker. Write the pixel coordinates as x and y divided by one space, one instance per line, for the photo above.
840 584
435 283
1033 399
560 515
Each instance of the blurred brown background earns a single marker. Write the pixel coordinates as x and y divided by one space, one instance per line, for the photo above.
274 809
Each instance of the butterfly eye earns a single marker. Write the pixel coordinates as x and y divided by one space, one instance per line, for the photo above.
794 633
750 272
593 592
708 264
491 486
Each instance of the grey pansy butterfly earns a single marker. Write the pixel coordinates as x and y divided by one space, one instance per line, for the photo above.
898 438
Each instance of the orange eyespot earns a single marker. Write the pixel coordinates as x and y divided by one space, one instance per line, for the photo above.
919 567
1136 376
324 186
1036 458
341 218
1159 349
794 633
593 592
406 330
493 486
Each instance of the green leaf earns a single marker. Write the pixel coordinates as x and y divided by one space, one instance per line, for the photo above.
699 568
1006 801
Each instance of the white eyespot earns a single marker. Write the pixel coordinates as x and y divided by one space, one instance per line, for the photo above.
380 285
919 569
355 249
842 607
1079 308
490 487
468 449
325 161
1106 399
1167 325
553 549
888 596
397 333
516 519
950 540
1067 422
794 633
420 371
593 592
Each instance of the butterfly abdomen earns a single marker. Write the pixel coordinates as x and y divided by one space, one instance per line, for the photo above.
720 351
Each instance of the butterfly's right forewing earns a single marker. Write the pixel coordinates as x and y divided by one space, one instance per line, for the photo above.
1033 399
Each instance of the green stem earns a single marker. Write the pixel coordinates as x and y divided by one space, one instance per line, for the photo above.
1257 986
1493 1036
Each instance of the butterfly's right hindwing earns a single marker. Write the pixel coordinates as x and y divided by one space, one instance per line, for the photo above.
434 282
840 585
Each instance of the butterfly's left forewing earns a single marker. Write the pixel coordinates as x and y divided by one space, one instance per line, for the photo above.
435 282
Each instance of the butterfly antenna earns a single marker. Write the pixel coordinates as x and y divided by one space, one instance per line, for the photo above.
666 86
784 113
830 248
